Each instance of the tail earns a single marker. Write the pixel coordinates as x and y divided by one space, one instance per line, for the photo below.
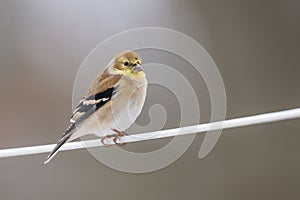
62 141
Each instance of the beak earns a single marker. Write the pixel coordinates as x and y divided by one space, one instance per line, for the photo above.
137 68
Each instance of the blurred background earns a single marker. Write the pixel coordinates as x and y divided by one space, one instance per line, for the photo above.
255 45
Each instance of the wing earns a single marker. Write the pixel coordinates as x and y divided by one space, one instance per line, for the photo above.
102 91
89 105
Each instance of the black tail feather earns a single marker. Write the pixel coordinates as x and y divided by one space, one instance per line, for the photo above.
62 141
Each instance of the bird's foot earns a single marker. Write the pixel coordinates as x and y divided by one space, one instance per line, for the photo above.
118 135
105 138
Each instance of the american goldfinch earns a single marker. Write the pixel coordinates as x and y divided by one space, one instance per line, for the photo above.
112 103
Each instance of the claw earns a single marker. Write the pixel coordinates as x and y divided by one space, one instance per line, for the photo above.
105 138
119 134
116 141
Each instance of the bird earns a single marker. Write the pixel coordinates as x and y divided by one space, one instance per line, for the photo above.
111 104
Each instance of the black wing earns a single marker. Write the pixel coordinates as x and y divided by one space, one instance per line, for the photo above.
89 105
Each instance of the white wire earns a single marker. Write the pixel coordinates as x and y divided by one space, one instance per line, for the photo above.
231 123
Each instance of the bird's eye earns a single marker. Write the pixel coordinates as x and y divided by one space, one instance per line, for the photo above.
126 63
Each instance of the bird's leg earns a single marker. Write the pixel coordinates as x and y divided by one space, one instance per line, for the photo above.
118 135
105 138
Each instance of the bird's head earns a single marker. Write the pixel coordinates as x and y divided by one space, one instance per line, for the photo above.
128 64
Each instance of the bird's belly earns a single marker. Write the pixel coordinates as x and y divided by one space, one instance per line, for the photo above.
119 116
126 117
123 117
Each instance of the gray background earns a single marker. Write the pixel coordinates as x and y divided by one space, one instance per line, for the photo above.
255 44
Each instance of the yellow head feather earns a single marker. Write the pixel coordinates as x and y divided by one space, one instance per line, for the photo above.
127 64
